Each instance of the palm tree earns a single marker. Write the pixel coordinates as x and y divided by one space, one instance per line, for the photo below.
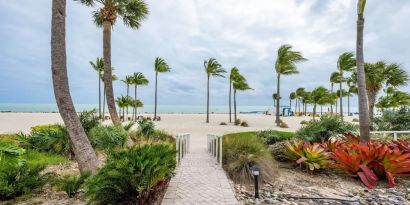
114 78
233 77
379 74
299 94
334 78
241 86
132 13
318 96
292 96
160 66
98 66
351 83
123 103
345 63
361 79
136 104
128 81
212 68
285 65
84 153
138 79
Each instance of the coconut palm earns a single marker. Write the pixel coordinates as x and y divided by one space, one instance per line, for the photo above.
138 79
83 151
239 85
160 66
285 65
351 83
212 68
98 66
136 104
132 12
318 96
128 81
123 103
361 79
233 77
292 96
299 94
345 63
334 78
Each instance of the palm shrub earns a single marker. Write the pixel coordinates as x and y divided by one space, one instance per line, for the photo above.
277 151
131 175
270 137
71 184
89 120
107 137
393 120
325 128
242 151
146 127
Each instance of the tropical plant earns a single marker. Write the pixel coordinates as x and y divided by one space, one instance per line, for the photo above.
241 85
85 156
393 120
313 156
214 69
138 79
393 99
132 175
292 96
300 93
124 102
270 137
132 12
345 63
108 137
146 127
319 96
364 120
233 77
285 65
98 66
334 78
129 80
160 66
89 120
324 129
71 184
277 151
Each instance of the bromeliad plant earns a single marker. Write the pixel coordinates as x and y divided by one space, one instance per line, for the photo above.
313 156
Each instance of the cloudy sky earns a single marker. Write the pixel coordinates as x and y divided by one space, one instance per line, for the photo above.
238 33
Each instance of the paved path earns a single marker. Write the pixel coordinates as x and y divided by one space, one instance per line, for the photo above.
199 180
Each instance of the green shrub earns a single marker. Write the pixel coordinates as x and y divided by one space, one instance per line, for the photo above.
131 174
277 151
304 122
393 121
10 154
243 150
35 158
222 123
89 120
159 136
237 122
128 126
71 184
355 120
48 138
272 136
325 128
11 138
283 125
244 124
107 137
146 127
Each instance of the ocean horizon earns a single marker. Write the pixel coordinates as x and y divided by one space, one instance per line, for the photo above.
188 109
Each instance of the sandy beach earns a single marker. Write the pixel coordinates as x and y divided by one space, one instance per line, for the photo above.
174 123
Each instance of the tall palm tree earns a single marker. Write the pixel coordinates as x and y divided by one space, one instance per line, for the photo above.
132 13
318 96
299 94
212 68
98 66
292 96
136 104
233 77
334 78
345 63
285 65
364 120
240 85
123 103
83 151
160 66
128 81
351 83
138 79
114 78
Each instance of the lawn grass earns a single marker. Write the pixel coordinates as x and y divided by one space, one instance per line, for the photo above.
34 157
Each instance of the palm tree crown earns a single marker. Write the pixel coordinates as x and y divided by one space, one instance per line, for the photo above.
287 59
213 68
161 66
139 79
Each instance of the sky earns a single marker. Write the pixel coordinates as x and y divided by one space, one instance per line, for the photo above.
240 33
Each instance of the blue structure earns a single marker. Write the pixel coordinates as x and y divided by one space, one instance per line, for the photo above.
286 111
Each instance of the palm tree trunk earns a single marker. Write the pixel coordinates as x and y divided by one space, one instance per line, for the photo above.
331 105
99 95
135 108
230 97
108 73
156 87
296 105
84 153
277 101
364 120
372 101
103 105
207 102
321 110
348 105
128 94
314 111
341 94
234 104
290 104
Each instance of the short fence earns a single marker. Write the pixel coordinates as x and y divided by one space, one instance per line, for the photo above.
215 147
182 145
394 133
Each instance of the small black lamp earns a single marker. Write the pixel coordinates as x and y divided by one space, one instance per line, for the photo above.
255 170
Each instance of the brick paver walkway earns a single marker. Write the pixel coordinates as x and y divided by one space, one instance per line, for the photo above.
199 180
